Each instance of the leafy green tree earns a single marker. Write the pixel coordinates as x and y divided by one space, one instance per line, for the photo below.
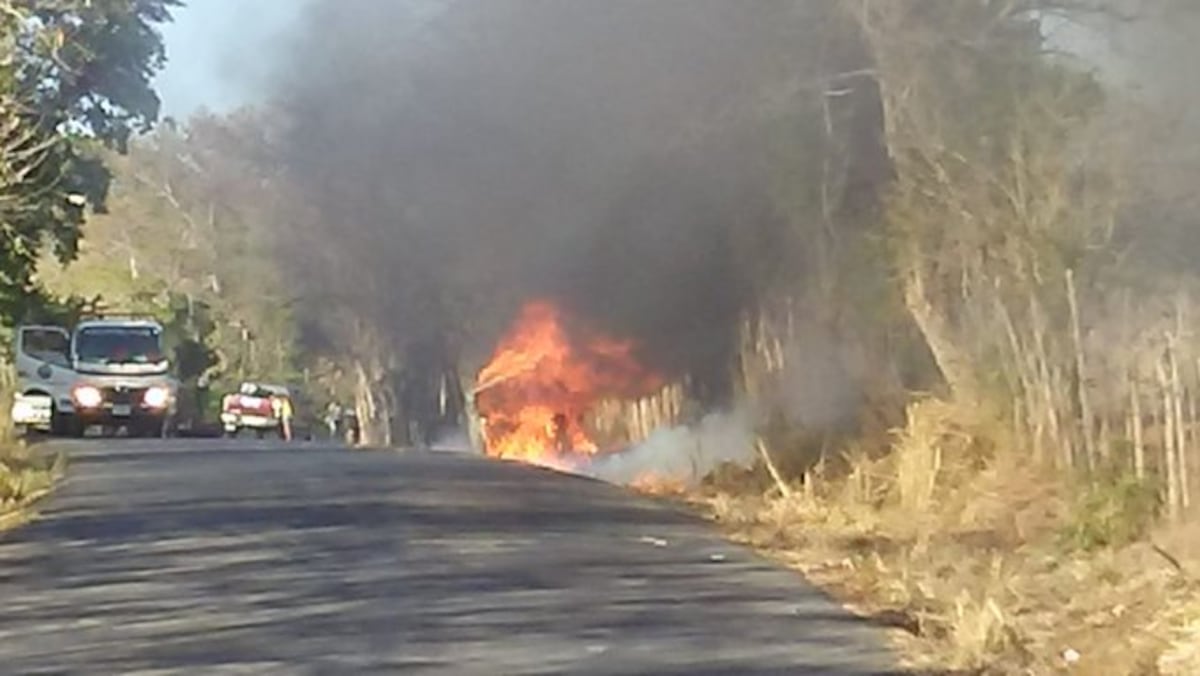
75 78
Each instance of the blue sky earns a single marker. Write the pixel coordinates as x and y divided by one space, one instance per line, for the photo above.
219 51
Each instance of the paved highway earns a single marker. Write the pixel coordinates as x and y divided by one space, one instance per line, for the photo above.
213 556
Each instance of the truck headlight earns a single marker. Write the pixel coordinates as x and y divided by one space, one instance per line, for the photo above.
86 396
156 397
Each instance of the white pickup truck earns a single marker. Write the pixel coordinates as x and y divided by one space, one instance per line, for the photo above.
109 372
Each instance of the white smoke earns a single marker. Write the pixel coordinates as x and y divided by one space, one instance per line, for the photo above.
455 440
684 454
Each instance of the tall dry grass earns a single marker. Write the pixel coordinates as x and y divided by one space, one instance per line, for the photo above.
964 547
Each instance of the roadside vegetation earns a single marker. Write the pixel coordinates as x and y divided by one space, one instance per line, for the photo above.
1032 507
982 565
25 478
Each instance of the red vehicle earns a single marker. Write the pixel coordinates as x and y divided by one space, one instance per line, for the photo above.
265 409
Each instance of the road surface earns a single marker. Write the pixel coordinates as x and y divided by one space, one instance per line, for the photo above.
212 556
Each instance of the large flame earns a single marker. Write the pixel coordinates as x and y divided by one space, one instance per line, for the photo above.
535 394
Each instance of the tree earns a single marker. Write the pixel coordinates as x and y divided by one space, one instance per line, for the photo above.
76 78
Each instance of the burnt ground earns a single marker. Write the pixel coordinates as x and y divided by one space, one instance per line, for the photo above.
213 556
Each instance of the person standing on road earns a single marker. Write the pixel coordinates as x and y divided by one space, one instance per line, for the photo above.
283 411
285 414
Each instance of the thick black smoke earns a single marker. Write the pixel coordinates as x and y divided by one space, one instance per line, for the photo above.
616 156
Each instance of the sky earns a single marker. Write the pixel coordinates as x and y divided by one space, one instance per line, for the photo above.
216 53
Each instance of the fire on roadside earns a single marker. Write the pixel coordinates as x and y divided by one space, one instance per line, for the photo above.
535 394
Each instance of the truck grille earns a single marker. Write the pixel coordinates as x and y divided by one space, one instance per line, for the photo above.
124 395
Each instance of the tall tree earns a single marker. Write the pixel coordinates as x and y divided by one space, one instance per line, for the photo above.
75 77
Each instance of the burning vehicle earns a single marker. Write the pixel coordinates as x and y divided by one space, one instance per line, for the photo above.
556 397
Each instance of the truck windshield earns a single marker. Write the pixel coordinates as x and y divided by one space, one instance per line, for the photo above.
118 345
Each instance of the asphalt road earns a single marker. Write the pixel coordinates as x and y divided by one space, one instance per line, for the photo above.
205 556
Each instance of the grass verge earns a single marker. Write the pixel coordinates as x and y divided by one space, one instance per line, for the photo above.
981 564
964 602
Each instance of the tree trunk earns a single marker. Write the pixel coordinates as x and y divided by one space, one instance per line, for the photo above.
365 407
1172 478
471 419
1181 434
1086 422
953 363
1139 445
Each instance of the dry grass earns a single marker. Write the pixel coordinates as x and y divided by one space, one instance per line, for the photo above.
25 477
960 549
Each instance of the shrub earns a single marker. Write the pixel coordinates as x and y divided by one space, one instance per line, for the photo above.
1112 512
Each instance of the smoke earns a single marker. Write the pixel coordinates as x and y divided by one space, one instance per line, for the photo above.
1144 55
615 156
684 454
454 440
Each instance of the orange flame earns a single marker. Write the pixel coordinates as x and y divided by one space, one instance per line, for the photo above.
537 389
